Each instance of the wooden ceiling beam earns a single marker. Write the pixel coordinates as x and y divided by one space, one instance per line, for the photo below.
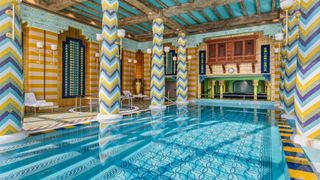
161 3
243 9
258 6
58 5
153 12
205 16
194 18
216 13
229 10
233 23
273 5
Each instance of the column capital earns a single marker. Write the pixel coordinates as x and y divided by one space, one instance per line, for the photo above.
255 82
221 82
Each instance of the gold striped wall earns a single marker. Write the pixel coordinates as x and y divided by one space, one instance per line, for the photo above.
92 68
128 73
193 71
36 73
146 74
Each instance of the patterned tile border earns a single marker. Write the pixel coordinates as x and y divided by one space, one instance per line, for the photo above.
297 161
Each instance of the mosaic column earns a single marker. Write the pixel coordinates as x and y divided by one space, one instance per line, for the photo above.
182 79
307 99
11 73
109 80
291 61
157 67
221 84
213 83
255 84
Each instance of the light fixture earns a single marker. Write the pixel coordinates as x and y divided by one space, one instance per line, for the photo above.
149 51
12 13
276 50
39 45
54 48
129 60
99 37
121 33
135 61
189 57
174 58
278 36
166 49
97 54
285 5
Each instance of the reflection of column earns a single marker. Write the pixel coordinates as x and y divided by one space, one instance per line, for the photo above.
255 89
157 69
182 81
109 91
307 98
213 83
221 84
11 73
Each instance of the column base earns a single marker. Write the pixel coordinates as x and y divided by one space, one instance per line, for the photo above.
303 141
13 137
157 107
182 103
107 118
288 116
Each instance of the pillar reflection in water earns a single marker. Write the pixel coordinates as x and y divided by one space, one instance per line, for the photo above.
157 124
106 139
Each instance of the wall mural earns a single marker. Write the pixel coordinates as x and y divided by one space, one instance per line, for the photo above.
73 65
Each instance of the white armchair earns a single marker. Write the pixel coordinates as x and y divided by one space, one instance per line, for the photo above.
31 101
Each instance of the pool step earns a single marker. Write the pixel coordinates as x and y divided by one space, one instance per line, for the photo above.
298 163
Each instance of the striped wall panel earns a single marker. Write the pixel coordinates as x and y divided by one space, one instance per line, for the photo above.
307 99
146 74
92 70
193 71
41 65
282 67
128 71
11 73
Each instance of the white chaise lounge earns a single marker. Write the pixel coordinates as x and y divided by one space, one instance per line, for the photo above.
31 101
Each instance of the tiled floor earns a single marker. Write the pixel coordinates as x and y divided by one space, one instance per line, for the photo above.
62 117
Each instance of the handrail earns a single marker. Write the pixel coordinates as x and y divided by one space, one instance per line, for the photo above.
168 99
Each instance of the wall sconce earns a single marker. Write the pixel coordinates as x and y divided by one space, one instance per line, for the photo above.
149 51
12 13
174 58
97 56
39 46
53 49
189 57
121 34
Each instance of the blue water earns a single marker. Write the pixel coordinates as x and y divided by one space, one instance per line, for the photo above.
197 142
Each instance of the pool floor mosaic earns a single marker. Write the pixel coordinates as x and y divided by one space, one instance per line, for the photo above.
199 142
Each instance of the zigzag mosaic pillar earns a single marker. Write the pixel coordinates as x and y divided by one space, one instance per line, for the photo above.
109 83
307 100
291 61
157 67
182 81
11 73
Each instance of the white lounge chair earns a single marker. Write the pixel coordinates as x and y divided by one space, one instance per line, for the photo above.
31 101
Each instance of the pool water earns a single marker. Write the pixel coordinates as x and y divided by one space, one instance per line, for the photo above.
194 142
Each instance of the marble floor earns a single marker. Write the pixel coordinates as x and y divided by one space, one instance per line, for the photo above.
46 120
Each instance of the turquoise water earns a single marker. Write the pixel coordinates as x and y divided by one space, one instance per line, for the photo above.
197 142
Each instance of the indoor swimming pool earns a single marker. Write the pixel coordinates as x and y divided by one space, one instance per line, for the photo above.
194 142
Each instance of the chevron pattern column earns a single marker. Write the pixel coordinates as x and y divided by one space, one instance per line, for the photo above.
109 81
282 68
307 101
11 73
182 81
291 60
157 66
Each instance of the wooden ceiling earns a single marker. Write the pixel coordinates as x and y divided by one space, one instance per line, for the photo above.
192 16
